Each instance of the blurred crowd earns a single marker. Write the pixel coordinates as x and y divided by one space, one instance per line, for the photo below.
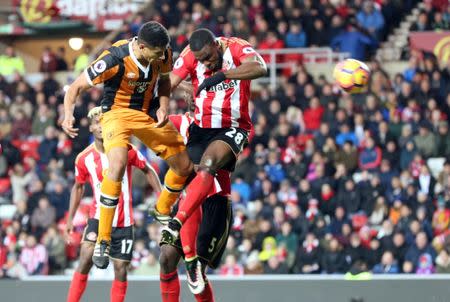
330 183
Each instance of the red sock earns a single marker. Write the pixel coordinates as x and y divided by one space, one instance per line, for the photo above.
118 291
170 287
77 287
195 195
207 295
189 233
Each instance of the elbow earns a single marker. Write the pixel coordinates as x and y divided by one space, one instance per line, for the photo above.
262 71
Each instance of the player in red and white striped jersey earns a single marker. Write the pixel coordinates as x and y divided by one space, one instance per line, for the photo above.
91 165
220 70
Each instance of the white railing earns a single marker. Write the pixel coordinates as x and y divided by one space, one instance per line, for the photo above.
315 55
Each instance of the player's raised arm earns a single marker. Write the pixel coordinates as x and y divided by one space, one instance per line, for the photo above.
252 67
80 84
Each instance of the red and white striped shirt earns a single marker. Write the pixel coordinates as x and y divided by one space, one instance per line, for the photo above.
182 122
32 257
226 104
91 165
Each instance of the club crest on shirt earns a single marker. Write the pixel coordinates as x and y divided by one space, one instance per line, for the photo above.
91 236
131 75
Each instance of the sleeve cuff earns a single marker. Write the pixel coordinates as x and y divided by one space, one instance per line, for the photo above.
88 78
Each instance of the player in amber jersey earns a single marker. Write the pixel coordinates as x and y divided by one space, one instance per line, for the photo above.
129 71
90 166
220 70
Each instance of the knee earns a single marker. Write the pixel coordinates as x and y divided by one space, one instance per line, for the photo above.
117 167
120 271
85 265
184 166
167 261
209 164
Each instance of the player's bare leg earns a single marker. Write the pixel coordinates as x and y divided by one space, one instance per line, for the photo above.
80 277
109 198
169 282
181 167
216 156
120 283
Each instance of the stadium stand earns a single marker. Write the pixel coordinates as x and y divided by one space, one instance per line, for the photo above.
330 183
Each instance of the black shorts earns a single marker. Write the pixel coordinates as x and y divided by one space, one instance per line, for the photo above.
214 230
122 239
200 138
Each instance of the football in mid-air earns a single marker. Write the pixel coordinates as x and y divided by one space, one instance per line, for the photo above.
352 75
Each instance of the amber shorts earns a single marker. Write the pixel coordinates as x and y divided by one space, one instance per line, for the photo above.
118 125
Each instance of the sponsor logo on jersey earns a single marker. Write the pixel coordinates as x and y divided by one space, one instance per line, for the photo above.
224 86
141 86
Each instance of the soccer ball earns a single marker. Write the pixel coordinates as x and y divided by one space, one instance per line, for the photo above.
352 75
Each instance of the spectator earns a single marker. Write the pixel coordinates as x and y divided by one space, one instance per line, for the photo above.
43 119
48 146
82 60
43 216
48 62
308 256
443 262
11 63
425 266
422 23
443 140
355 42
333 261
371 19
61 64
388 265
421 247
231 267
370 156
19 181
149 266
275 267
55 245
296 37
34 257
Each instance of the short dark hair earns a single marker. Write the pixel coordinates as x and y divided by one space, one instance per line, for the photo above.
200 38
153 34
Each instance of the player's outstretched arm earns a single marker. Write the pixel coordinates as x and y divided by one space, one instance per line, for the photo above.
152 177
80 84
75 198
251 68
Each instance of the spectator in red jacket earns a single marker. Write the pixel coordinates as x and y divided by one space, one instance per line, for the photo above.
272 42
313 115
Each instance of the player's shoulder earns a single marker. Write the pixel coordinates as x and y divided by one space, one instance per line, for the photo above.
235 41
120 49
83 154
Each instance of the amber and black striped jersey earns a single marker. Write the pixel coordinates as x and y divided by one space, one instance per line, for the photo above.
127 83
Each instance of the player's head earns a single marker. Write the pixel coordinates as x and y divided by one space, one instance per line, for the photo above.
94 122
153 40
206 48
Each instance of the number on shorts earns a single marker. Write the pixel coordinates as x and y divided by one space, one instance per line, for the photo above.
237 136
212 245
127 244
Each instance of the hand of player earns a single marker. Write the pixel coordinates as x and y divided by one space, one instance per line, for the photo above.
68 230
67 126
211 81
162 116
